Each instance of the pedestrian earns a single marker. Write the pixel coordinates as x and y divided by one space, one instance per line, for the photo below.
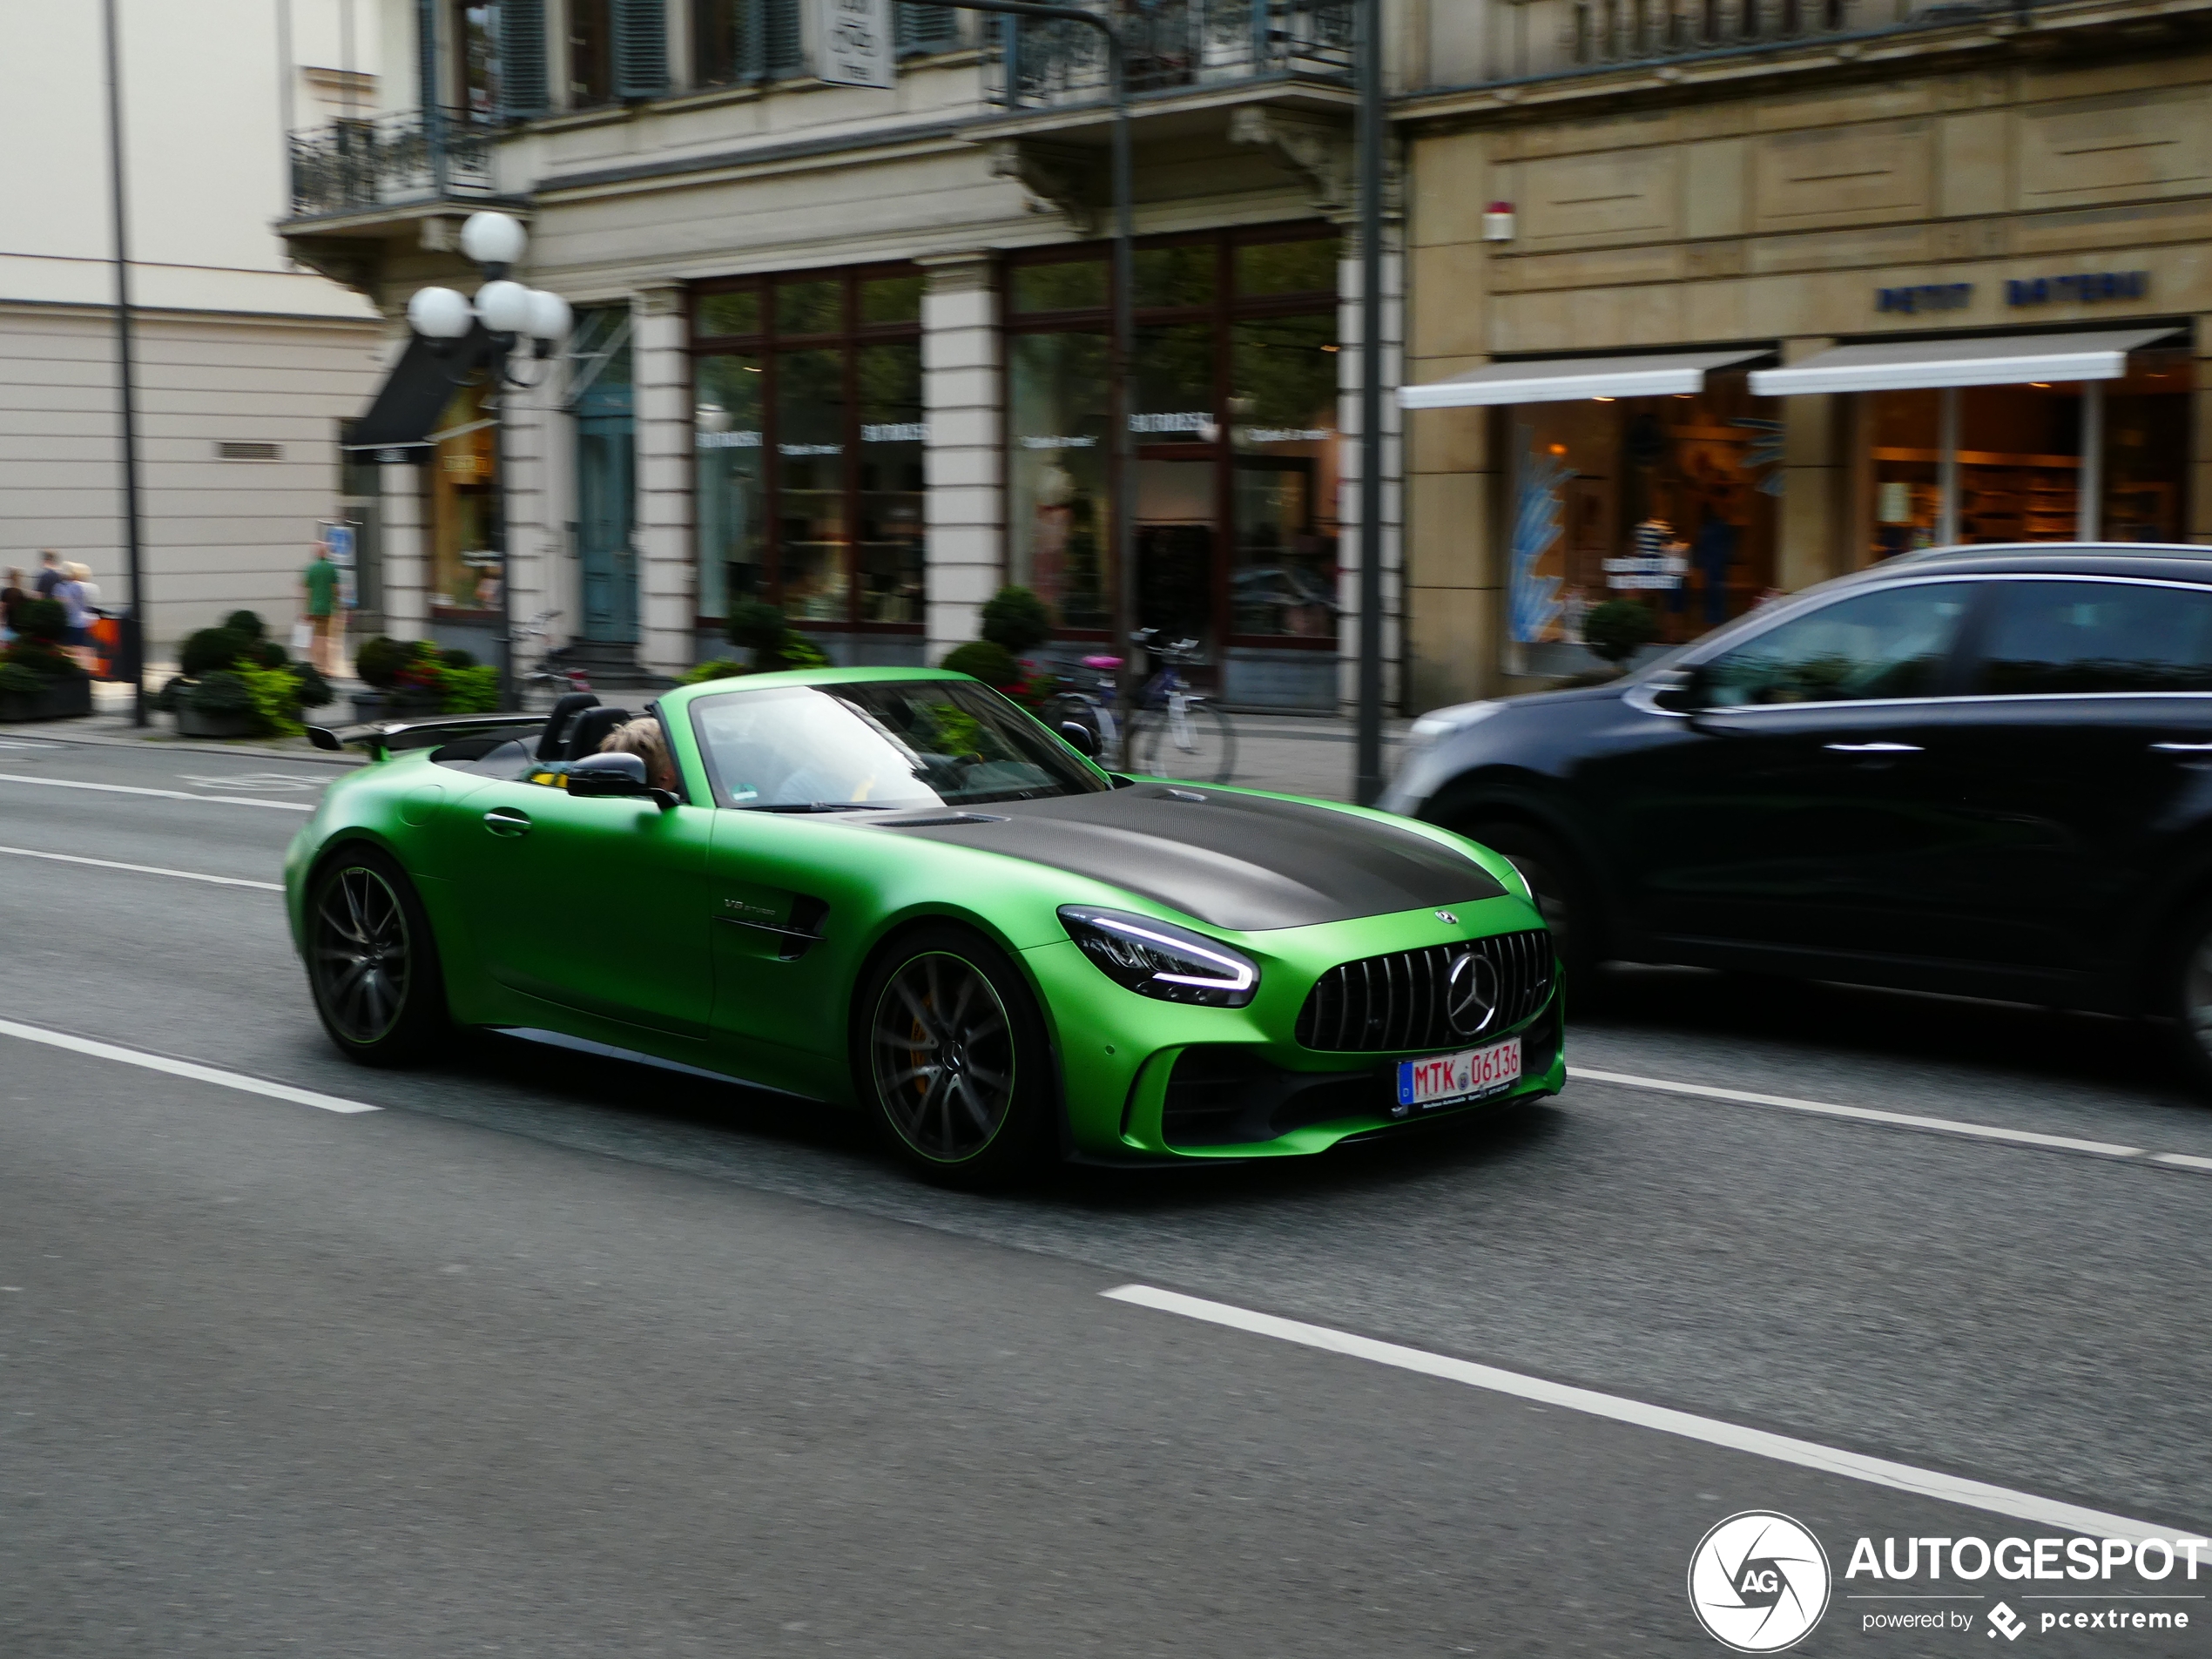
82 575
319 582
50 575
70 593
12 600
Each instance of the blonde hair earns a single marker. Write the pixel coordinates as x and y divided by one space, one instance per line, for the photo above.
644 738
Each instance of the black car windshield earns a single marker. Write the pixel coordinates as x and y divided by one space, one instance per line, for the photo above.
881 744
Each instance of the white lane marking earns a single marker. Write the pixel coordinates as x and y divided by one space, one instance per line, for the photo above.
165 794
1899 1120
144 869
275 782
1807 1454
193 1069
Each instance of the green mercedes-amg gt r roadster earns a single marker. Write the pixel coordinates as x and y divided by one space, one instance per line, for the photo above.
894 889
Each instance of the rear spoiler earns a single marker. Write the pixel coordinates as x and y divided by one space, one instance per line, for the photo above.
382 738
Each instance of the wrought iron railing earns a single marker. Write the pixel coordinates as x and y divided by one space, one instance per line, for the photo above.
378 161
1561 36
1169 43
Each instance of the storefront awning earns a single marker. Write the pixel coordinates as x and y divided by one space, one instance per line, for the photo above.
408 406
1560 379
2006 360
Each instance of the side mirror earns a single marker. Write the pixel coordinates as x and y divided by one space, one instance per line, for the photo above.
1080 738
1679 691
597 777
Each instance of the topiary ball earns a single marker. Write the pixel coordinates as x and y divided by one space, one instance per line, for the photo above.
456 659
380 660
221 692
246 623
987 661
1017 619
1616 630
212 649
757 626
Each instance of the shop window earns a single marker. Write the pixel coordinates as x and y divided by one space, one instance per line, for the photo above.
1286 267
1667 501
465 561
1232 420
1058 509
810 448
2021 462
732 481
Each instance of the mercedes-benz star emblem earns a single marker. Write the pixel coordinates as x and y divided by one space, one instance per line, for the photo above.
1471 993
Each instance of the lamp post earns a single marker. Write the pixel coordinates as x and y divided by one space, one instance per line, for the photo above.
508 312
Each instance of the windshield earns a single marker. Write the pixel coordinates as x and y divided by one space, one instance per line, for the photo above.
881 744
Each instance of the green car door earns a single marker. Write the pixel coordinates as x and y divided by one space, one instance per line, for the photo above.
596 904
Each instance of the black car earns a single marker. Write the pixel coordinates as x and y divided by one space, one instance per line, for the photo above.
1981 770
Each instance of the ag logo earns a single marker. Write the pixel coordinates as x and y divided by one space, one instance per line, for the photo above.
1758 1583
1471 993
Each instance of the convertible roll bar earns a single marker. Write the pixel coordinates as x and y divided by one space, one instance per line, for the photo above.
382 738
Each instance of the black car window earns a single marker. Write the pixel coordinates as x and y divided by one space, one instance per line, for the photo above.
1890 642
2046 637
882 743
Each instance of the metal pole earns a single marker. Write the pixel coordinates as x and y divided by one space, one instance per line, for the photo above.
1367 779
2088 511
125 374
1947 467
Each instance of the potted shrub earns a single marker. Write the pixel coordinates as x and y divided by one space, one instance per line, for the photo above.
38 679
774 643
219 704
1014 620
377 665
1618 629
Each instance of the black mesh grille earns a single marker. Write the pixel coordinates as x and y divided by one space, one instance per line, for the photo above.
1400 1000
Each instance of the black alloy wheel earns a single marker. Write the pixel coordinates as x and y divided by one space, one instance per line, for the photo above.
953 1060
1561 895
2190 995
371 961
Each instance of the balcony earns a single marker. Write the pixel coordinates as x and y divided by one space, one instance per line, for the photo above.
1544 38
1172 45
413 156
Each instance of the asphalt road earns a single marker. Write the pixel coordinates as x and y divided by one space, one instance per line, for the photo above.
563 1355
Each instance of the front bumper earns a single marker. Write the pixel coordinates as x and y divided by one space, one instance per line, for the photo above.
1153 1081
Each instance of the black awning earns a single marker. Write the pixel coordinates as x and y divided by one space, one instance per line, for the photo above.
400 422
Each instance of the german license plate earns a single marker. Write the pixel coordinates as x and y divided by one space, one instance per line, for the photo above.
1469 1075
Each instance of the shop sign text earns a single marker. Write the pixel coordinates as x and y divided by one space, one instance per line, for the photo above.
2084 289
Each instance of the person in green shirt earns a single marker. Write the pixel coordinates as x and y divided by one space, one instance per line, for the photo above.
319 582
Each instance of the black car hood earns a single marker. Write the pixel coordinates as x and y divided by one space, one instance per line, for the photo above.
1242 862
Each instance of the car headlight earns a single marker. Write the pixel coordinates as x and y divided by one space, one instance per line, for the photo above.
1159 959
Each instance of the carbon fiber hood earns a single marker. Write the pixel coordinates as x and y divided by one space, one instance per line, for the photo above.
1242 862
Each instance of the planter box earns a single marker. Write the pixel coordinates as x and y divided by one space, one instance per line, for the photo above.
60 700
191 723
371 705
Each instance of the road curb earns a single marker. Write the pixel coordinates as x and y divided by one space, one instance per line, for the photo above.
43 731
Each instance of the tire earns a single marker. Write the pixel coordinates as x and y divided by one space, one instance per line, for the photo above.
2188 994
950 1059
1211 760
1562 891
372 961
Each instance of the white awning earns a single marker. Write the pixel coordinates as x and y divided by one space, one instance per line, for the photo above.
1560 379
2006 360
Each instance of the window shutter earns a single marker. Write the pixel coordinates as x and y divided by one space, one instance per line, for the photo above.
641 48
521 59
926 29
787 52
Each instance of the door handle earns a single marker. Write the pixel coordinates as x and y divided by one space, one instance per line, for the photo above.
507 820
1872 748
2183 748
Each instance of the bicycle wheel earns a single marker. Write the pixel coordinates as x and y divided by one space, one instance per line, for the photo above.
1201 748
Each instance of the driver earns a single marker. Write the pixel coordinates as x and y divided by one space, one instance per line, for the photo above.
644 738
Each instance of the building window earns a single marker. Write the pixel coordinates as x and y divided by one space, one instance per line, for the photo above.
1233 415
477 36
810 444
738 41
465 539
591 52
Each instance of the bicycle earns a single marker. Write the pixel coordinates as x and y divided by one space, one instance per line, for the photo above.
548 674
1168 711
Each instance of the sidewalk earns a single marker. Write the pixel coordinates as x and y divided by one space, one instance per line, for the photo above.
1296 754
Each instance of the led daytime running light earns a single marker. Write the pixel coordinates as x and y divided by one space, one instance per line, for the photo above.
1158 958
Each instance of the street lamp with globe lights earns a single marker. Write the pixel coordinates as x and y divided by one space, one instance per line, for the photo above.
509 313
